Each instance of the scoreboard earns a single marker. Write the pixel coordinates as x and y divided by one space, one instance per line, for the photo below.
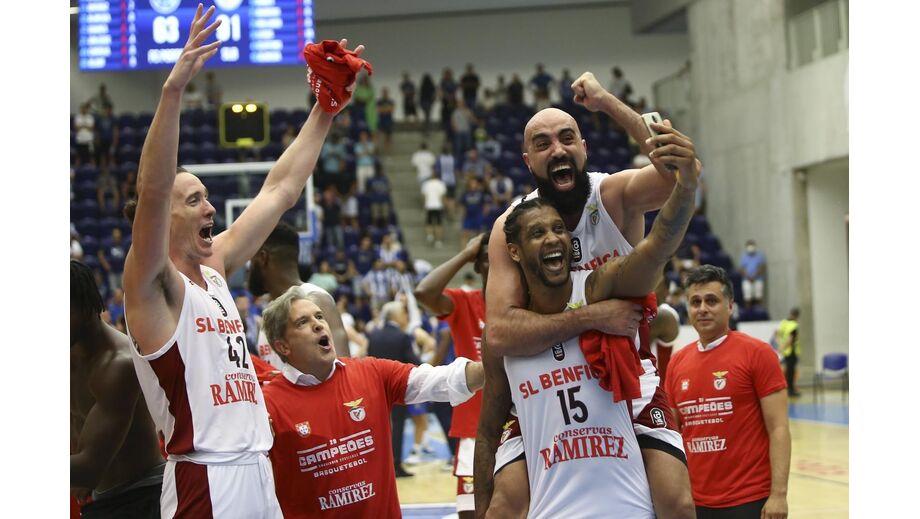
150 34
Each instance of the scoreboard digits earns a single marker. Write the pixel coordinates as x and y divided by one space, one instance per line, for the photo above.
146 34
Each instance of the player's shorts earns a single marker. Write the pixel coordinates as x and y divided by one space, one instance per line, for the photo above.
136 499
652 419
433 216
510 445
463 469
417 409
244 490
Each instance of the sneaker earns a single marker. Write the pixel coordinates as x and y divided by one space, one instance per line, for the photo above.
438 244
413 458
403 473
427 450
448 465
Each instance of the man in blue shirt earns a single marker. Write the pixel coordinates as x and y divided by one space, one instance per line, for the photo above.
753 272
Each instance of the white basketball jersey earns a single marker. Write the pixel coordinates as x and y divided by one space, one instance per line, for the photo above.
200 387
583 459
596 239
265 350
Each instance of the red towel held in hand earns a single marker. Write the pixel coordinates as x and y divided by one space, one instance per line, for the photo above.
332 70
615 359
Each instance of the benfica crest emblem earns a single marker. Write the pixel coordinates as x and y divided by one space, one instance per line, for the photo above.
467 485
720 381
592 211
356 410
506 431
303 429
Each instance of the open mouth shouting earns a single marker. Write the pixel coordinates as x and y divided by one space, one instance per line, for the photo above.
554 261
562 174
205 232
325 343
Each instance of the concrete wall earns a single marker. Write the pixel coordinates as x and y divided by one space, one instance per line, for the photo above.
757 122
581 38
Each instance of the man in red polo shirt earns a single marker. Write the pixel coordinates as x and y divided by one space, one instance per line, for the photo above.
727 391
332 453
465 312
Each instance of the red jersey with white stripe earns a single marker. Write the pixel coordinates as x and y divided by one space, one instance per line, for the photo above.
466 323
332 454
200 387
582 453
718 392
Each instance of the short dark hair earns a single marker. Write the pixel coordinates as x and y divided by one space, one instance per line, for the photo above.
709 273
512 226
84 294
284 241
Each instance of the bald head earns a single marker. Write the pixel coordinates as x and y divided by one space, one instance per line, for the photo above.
545 121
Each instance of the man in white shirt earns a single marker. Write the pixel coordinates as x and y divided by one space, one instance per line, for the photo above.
423 160
433 191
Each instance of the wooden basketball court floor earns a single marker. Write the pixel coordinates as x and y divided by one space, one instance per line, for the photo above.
818 476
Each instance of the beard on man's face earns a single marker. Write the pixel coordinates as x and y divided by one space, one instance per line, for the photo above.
566 202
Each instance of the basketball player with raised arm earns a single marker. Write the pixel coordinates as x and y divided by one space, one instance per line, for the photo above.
605 216
581 449
192 360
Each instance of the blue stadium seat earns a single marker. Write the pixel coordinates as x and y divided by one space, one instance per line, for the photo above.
279 115
144 119
699 225
90 245
188 154
87 227
298 117
126 120
188 135
85 172
128 153
207 134
709 242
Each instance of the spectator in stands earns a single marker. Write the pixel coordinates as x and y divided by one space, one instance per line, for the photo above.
500 91
423 160
112 258
515 91
434 191
407 88
84 125
365 102
116 305
446 168
390 250
350 211
489 148
426 97
540 84
403 277
332 218
128 188
325 278
753 273
678 302
469 85
377 283
475 205
502 190
365 152
357 341
106 139
476 166
212 91
366 255
447 93
566 94
462 120
343 268
101 100
333 157
108 196
193 99
385 108
379 189
619 87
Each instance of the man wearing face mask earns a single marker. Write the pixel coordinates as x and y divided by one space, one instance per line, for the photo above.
753 270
